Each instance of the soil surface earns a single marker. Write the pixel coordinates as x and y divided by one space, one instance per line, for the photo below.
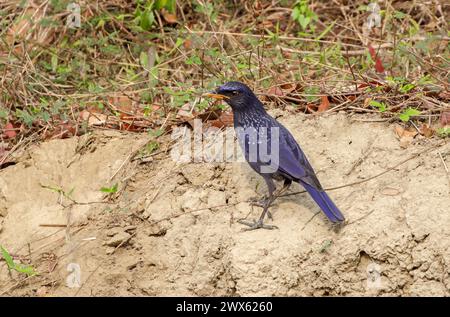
171 229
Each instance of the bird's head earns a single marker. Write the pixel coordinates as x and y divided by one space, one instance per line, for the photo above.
238 95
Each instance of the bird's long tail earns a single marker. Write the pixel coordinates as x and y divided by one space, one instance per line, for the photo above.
325 203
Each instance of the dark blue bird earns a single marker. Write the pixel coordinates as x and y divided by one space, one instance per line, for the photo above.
271 151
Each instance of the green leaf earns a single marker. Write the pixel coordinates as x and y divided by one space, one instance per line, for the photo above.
414 28
8 259
404 117
170 5
313 90
147 18
143 58
156 133
151 147
425 80
193 60
54 62
380 105
304 21
325 31
26 117
295 13
443 132
111 50
407 113
110 190
159 4
179 42
3 114
26 269
406 88
45 116
100 23
399 15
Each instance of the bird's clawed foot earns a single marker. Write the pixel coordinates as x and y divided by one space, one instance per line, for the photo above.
256 225
263 203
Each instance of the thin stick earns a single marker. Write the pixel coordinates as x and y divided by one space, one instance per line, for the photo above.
132 154
364 155
347 59
302 39
310 219
365 180
443 162
49 225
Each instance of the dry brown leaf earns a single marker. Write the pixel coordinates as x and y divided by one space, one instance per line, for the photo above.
9 131
225 120
61 131
402 132
185 112
405 136
312 108
324 105
444 95
378 64
275 90
406 141
169 17
276 16
288 87
93 118
282 90
267 24
445 118
129 126
187 44
122 104
426 131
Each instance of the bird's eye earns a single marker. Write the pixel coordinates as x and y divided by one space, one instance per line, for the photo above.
235 92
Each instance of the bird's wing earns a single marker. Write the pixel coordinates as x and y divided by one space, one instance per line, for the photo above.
293 161
290 162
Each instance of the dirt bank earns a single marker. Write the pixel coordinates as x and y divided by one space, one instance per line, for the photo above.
171 229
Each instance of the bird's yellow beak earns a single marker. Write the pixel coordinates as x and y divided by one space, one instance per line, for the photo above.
216 96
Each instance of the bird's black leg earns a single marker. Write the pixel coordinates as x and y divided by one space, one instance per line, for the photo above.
268 201
258 202
262 202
